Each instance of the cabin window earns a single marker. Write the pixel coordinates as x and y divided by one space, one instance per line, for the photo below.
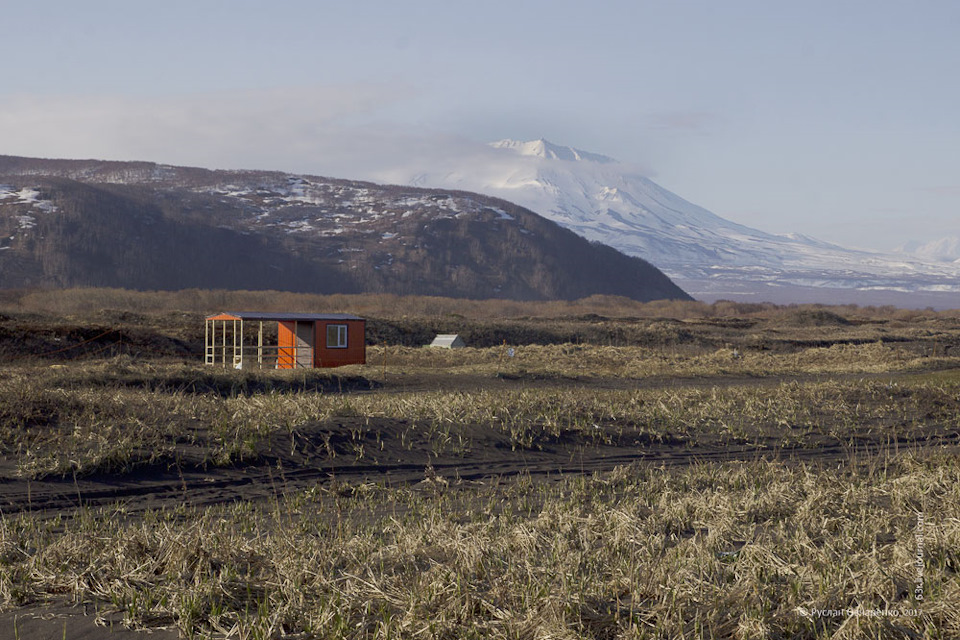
336 336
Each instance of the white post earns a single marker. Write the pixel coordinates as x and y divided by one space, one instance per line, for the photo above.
260 346
240 341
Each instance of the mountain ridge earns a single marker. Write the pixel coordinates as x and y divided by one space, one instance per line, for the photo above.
146 225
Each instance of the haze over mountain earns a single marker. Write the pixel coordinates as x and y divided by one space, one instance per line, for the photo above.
148 226
946 249
711 257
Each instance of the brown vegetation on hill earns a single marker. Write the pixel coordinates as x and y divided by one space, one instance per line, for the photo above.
144 226
86 300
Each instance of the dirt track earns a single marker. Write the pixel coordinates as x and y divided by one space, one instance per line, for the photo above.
295 462
327 452
156 488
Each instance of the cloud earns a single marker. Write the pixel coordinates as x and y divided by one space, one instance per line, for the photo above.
949 191
356 131
285 128
695 122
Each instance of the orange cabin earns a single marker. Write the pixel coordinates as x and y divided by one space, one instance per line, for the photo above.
304 340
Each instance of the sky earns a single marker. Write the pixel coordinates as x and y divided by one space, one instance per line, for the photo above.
836 119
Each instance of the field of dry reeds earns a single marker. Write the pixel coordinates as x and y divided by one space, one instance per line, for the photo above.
746 550
598 469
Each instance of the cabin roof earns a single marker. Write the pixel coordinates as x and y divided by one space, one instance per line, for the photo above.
281 317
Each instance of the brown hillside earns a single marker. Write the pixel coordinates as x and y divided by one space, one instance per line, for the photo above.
145 226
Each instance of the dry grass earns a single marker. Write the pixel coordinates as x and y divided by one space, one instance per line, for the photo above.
103 417
732 551
736 550
110 417
594 361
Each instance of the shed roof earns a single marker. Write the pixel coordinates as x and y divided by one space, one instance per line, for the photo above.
281 317
448 340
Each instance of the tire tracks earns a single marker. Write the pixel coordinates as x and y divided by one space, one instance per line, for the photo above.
160 489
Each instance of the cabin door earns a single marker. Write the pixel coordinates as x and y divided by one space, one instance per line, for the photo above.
304 344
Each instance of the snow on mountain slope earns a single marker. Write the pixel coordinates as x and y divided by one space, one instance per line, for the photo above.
614 203
942 250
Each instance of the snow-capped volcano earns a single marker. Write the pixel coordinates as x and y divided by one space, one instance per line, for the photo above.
612 202
543 149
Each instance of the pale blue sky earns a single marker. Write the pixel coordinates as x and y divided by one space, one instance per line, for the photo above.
836 119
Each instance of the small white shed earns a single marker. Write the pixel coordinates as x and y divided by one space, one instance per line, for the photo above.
448 341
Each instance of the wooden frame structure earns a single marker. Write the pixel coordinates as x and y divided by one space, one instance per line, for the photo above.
304 340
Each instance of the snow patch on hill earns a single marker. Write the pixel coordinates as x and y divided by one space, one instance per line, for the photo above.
25 220
296 205
26 195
